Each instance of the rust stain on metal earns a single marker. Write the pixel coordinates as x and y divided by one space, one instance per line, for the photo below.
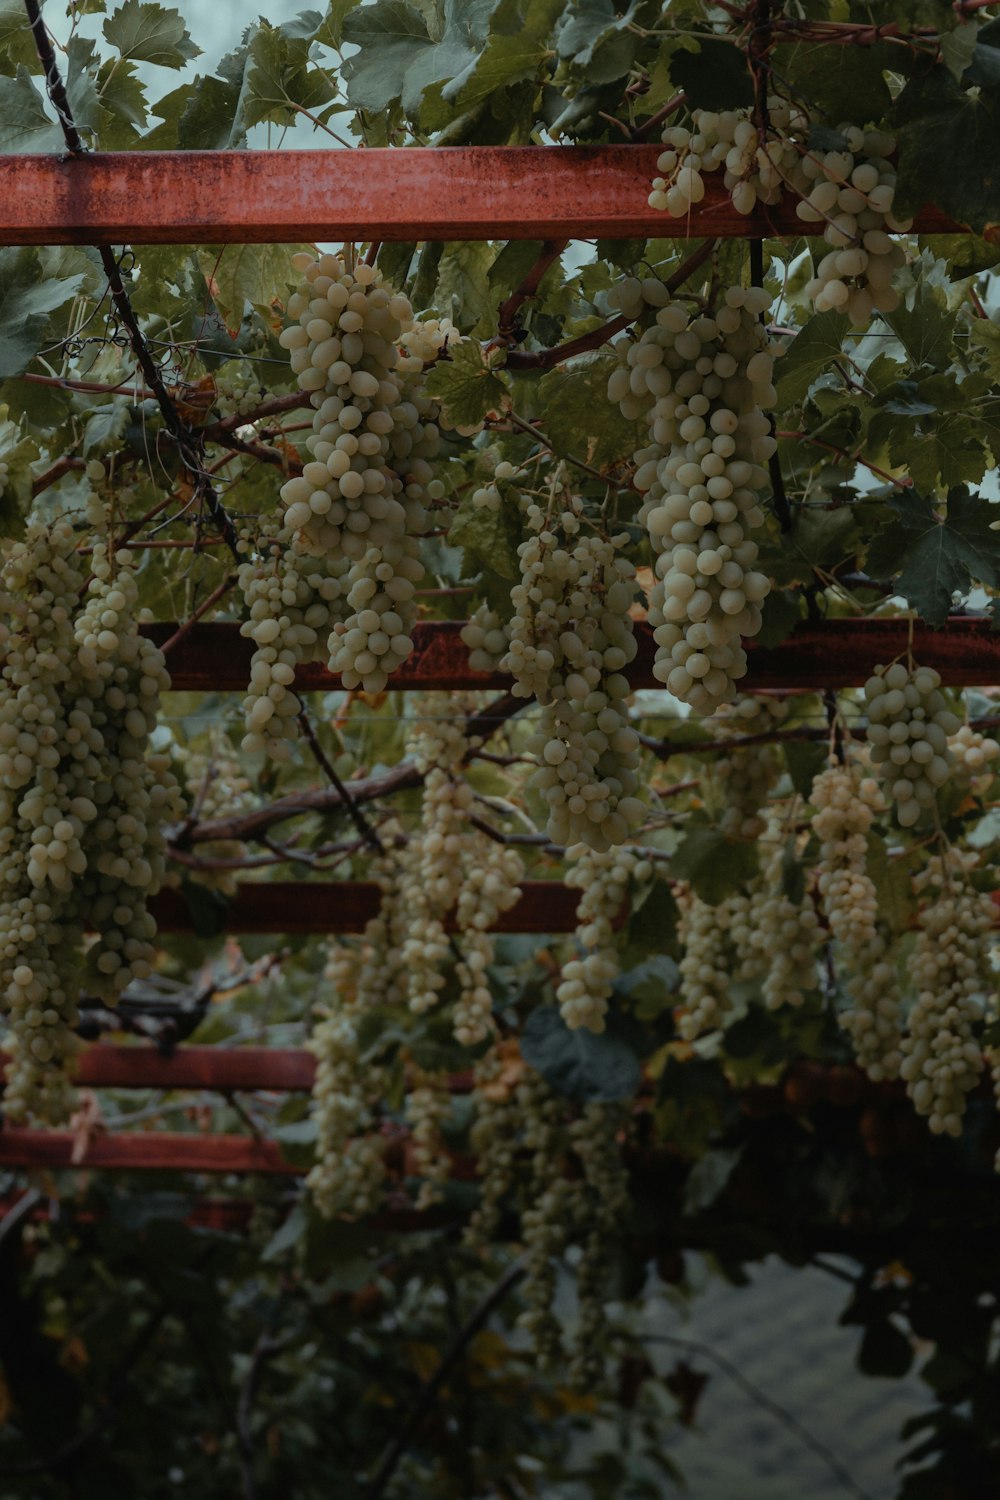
387 193
834 654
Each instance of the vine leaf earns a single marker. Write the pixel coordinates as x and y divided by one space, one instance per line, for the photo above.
713 77
393 43
26 300
938 556
490 538
579 1064
713 865
150 33
810 354
894 888
24 125
947 148
925 325
465 386
518 41
573 401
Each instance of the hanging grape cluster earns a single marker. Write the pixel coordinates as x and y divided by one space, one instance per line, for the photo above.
587 980
84 801
570 639
908 729
846 191
702 384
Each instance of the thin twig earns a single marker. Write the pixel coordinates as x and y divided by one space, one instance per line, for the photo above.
780 1413
326 765
203 608
428 1395
187 444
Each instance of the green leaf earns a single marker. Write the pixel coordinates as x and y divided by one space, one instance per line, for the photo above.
714 77
279 77
26 300
781 612
207 908
390 35
210 114
123 99
714 866
463 288
490 538
106 424
947 149
897 902
957 48
465 386
938 556
16 40
577 417
708 1177
582 1065
841 83
519 41
817 539
596 39
150 33
24 125
812 351
248 273
951 453
331 32
804 762
513 263
925 325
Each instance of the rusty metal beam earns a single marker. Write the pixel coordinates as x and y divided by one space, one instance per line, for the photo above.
417 193
291 906
832 654
224 1069
150 1150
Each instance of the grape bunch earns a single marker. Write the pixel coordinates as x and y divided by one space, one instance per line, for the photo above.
739 779
570 638
846 191
846 804
786 933
719 950
954 986
360 497
292 603
702 383
452 867
349 1172
487 636
586 982
427 1108
83 801
908 727
973 753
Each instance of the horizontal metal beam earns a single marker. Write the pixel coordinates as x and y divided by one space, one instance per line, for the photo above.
390 193
144 1150
292 906
831 654
224 1069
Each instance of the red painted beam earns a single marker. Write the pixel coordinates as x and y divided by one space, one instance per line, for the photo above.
153 1150
226 1069
831 654
290 906
416 193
